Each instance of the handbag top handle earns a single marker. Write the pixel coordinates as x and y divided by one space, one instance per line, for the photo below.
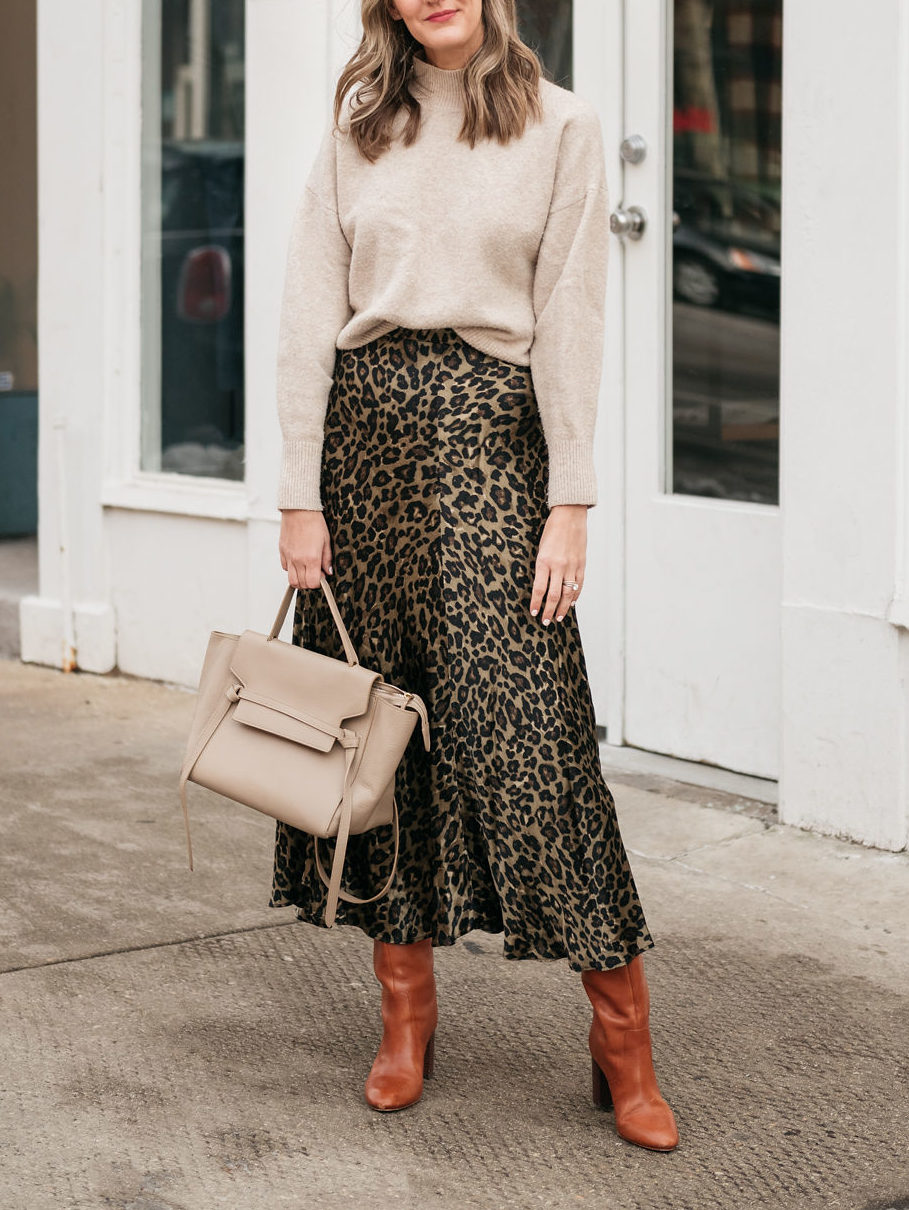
332 605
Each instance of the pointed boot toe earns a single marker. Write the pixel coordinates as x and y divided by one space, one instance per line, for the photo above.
654 1129
395 1084
388 1092
651 1125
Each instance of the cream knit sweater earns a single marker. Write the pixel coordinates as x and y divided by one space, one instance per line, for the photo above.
505 244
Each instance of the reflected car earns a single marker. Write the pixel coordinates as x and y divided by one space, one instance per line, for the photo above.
202 270
726 245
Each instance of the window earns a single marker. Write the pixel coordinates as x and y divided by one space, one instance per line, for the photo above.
192 237
726 248
546 26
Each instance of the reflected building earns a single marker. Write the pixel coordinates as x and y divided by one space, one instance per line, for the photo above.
727 117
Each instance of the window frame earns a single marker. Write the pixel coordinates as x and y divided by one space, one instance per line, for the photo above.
125 484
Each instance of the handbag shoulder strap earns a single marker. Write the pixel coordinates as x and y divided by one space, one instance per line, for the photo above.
333 881
193 755
349 650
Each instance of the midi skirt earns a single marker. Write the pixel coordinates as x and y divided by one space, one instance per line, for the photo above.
434 491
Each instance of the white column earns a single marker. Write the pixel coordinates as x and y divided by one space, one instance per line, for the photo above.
599 64
294 50
71 618
845 419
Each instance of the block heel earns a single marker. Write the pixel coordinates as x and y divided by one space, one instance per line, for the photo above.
602 1097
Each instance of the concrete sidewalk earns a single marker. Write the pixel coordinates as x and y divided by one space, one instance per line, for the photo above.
170 1043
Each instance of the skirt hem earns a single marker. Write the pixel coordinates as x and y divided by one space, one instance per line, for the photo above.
469 924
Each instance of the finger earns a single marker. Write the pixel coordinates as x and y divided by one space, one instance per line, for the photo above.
304 566
326 557
540 580
313 572
553 596
300 568
579 579
569 594
566 600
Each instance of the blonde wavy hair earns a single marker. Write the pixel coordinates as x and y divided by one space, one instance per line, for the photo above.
501 81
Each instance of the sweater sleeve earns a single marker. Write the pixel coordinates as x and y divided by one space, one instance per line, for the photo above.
315 307
569 297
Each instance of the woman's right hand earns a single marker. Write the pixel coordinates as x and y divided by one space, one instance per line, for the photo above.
305 546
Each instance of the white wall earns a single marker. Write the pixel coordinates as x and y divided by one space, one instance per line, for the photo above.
293 53
153 562
74 603
845 738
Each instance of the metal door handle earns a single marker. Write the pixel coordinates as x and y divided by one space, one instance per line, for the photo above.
633 149
630 222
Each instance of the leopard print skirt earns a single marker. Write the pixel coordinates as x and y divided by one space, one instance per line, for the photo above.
434 481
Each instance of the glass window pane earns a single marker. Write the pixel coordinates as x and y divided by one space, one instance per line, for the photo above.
192 280
726 248
18 275
18 201
546 26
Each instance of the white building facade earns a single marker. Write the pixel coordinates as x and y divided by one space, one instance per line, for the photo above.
747 596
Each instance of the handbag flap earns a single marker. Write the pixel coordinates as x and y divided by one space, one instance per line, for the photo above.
307 681
277 722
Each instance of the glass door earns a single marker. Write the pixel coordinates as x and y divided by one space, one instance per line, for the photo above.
725 144
697 219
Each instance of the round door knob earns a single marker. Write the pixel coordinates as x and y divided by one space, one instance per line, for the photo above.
629 223
633 149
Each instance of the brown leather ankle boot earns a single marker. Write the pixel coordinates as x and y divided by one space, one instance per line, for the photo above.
623 1074
410 1015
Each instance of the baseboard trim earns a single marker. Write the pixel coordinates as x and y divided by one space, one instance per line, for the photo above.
623 758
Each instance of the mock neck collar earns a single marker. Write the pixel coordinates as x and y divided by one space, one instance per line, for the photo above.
437 85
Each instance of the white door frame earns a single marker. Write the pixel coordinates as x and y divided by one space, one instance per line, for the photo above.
598 58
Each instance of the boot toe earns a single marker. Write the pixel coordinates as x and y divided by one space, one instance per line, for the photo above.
388 1094
651 1126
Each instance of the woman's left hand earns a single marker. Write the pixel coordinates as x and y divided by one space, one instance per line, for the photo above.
562 556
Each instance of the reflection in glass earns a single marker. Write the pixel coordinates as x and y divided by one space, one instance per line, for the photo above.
193 168
18 205
726 248
546 26
18 272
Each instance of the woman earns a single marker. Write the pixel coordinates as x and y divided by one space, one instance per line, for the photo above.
438 370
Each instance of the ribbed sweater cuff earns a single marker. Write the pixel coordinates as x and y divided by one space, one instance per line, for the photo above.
301 469
572 478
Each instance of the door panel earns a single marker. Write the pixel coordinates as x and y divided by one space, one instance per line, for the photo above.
702 560
598 72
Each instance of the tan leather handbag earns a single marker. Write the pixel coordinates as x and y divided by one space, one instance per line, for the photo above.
303 737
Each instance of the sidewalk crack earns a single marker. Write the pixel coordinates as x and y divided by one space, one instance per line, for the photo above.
138 949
